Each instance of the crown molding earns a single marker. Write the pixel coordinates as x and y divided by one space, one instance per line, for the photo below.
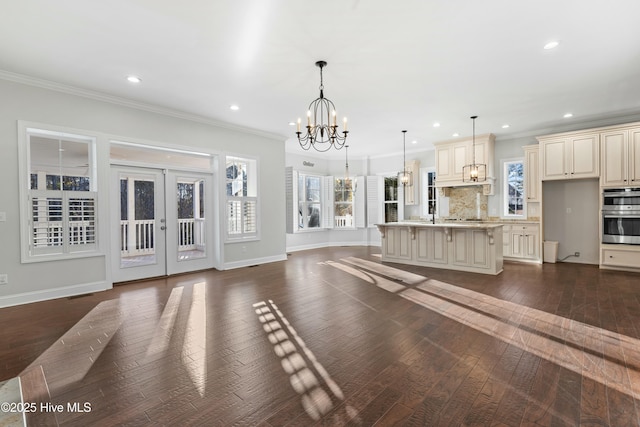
124 102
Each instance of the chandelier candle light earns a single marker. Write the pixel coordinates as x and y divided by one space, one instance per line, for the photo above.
322 130
474 172
405 177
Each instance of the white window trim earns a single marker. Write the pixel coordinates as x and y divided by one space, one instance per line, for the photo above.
253 167
425 190
25 130
354 182
505 191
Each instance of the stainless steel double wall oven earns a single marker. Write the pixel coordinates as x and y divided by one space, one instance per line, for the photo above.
621 215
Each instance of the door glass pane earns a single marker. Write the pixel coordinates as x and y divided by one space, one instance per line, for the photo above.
137 222
191 219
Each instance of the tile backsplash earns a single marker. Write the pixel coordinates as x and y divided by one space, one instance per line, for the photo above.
467 202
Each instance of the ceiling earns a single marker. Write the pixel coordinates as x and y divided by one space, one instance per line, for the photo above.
391 65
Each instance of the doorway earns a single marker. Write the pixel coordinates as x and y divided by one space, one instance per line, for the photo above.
162 222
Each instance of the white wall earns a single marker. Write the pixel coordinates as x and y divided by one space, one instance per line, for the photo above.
34 281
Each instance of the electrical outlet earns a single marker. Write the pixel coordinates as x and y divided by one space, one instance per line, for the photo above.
577 254
4 279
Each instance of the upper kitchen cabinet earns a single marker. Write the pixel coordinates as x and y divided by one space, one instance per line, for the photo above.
620 150
532 182
451 156
570 156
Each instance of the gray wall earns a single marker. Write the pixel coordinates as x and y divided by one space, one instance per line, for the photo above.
35 281
571 217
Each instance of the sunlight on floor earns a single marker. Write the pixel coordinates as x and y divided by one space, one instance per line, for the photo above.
604 356
194 349
164 329
286 342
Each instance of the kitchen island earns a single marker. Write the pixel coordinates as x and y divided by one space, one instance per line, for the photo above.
474 247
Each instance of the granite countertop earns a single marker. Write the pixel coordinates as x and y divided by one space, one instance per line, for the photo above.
451 224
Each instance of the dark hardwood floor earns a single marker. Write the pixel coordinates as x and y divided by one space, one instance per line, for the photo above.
333 337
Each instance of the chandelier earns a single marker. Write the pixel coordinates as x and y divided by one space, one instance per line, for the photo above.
322 130
405 177
474 172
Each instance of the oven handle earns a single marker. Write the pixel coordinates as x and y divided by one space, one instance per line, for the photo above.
622 216
622 194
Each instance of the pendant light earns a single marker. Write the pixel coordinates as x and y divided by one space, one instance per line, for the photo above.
474 172
405 177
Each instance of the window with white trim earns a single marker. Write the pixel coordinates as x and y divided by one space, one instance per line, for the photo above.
242 198
343 203
61 197
429 193
513 190
391 199
310 202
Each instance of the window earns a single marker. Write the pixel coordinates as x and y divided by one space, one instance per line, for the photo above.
343 203
242 198
309 202
513 191
61 196
429 193
391 199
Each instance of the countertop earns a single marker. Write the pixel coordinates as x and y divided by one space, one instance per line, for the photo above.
452 224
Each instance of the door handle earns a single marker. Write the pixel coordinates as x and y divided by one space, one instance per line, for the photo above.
162 227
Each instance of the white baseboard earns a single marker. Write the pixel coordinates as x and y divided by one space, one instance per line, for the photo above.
254 261
47 294
329 245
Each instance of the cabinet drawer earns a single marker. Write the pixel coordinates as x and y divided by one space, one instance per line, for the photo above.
621 258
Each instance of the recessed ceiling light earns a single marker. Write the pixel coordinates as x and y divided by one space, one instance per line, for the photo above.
134 79
566 116
436 125
505 126
455 134
551 45
292 124
234 107
414 142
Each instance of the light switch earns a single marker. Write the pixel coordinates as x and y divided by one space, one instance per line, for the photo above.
3 216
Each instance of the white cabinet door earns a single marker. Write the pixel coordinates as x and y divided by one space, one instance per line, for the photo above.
584 156
634 156
532 173
431 245
571 157
554 160
397 242
450 159
614 159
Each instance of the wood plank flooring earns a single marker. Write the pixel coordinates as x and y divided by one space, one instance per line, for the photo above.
333 337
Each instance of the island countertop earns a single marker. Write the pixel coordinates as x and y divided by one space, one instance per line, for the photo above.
455 224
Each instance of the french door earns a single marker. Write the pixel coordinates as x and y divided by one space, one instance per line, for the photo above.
161 222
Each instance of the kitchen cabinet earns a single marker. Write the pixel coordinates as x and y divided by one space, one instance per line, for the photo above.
570 156
452 156
522 241
626 257
397 243
465 247
470 248
532 182
411 192
450 159
431 245
620 152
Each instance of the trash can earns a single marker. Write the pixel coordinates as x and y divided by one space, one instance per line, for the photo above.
550 253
